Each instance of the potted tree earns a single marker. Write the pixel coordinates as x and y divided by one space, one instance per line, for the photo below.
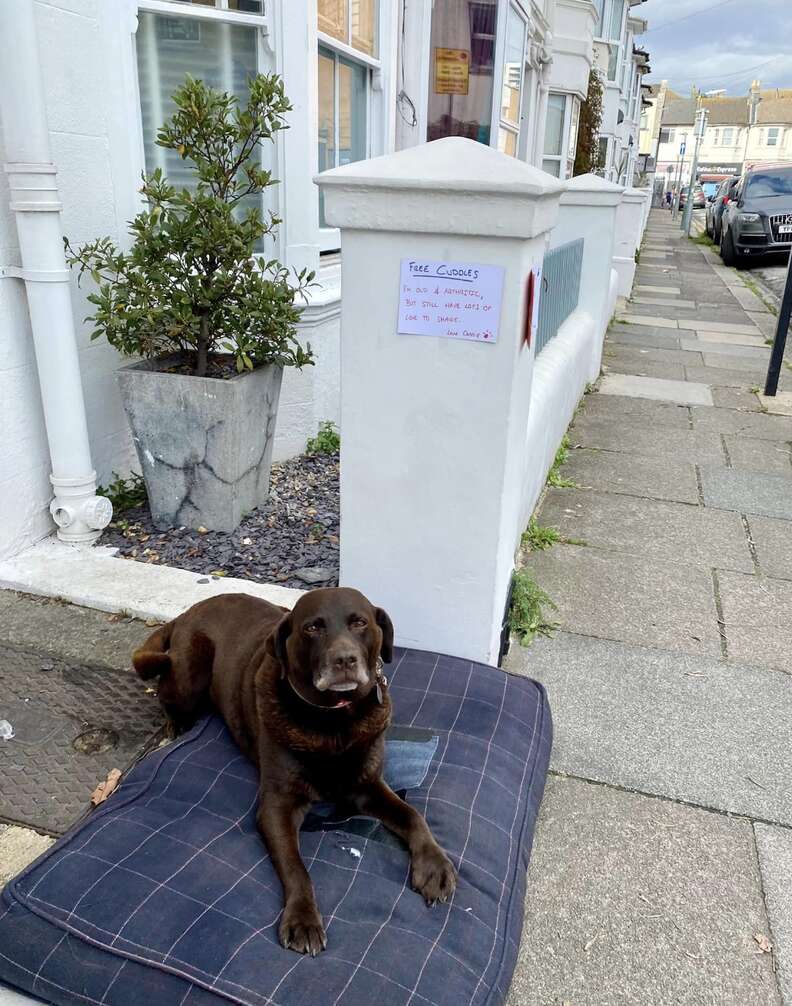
213 319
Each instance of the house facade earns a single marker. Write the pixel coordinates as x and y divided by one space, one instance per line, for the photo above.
365 77
741 132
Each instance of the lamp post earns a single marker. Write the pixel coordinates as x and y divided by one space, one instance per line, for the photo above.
701 124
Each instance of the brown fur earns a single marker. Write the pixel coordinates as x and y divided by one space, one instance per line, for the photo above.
276 678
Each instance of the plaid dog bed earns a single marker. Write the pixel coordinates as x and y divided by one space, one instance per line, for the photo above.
165 895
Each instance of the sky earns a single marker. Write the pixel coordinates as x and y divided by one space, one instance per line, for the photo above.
718 43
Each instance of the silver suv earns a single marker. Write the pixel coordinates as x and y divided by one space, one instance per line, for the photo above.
758 218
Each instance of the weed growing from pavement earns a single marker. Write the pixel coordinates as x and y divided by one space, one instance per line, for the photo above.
527 618
123 493
326 441
538 538
703 239
554 476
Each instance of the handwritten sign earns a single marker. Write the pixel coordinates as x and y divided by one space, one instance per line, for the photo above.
452 71
454 300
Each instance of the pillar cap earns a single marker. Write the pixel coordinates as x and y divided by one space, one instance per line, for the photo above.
591 190
453 185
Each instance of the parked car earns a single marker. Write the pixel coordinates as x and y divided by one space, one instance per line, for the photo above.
699 199
757 220
716 207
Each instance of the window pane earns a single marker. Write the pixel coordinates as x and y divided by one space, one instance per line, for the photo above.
364 26
168 48
245 6
617 10
352 112
507 142
327 151
573 132
598 29
513 68
613 61
334 18
552 167
461 81
554 128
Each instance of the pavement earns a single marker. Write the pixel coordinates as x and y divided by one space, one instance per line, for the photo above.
662 864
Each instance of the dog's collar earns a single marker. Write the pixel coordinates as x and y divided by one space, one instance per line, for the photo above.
381 683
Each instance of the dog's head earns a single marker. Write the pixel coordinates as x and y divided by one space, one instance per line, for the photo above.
330 645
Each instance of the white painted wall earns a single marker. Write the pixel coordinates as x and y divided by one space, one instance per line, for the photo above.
629 231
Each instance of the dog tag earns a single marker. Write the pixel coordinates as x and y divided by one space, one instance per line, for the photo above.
379 693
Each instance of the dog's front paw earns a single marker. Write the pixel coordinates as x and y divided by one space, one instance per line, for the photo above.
301 929
433 875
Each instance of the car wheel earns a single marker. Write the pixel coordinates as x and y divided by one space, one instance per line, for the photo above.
727 252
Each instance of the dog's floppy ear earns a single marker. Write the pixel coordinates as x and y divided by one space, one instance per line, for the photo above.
384 622
277 642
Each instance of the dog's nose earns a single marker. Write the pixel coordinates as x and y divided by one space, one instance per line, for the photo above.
345 662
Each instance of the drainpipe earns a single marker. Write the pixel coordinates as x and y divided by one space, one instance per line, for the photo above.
76 509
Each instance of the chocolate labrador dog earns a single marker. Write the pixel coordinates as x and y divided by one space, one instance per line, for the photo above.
303 695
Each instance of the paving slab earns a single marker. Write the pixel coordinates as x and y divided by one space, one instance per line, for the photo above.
633 476
660 389
666 532
674 445
757 455
779 404
18 848
629 598
719 377
758 627
649 368
670 336
756 352
773 541
747 492
650 289
637 900
722 326
748 300
604 405
774 846
647 319
666 340
693 728
752 368
642 355
662 301
766 322
731 339
737 398
69 631
739 423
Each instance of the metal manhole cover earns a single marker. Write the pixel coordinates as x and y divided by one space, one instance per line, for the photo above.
71 726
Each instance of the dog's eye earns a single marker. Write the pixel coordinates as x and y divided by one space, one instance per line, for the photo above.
312 628
359 623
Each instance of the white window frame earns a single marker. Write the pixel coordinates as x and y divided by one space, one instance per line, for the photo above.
775 132
500 56
330 237
564 157
728 131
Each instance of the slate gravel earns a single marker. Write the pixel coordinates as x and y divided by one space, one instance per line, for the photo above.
291 540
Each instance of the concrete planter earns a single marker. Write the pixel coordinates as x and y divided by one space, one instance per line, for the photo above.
205 444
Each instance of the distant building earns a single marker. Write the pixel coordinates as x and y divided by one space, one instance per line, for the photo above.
741 131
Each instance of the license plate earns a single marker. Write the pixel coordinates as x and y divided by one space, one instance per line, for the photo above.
785 229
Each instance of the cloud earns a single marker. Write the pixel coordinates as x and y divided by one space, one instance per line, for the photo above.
724 46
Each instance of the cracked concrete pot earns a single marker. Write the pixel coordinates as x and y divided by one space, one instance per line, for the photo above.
205 444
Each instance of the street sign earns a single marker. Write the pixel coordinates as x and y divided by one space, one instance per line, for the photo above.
682 149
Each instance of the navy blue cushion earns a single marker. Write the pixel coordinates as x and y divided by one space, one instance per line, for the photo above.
165 895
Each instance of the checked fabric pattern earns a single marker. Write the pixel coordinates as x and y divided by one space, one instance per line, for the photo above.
165 896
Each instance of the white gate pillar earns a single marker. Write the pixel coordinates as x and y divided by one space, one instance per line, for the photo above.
433 428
